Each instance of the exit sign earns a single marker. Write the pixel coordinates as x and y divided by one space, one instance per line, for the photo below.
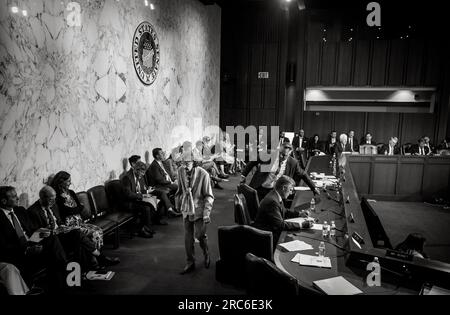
263 75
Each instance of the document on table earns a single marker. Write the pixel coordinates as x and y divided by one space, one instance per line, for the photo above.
312 261
316 227
296 246
302 189
337 286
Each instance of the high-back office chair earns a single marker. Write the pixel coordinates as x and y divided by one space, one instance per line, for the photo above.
234 243
380 148
406 148
86 214
265 279
241 215
251 198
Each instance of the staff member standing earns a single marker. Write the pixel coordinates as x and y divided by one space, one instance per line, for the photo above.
195 200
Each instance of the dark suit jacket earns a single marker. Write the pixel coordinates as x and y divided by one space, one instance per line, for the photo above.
129 189
329 149
156 177
37 216
296 142
385 149
10 249
355 145
338 149
293 170
271 216
313 146
415 150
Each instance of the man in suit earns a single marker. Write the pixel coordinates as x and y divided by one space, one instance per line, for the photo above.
25 249
420 148
368 140
428 144
300 145
44 214
263 181
332 141
392 148
134 190
158 177
283 138
272 213
342 146
352 143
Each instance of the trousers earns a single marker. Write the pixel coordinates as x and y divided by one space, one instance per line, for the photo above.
195 230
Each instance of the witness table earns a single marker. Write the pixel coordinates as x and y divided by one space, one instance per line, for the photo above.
336 248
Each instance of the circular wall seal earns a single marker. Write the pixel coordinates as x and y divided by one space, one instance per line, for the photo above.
146 53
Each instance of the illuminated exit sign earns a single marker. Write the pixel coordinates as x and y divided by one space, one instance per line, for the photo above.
263 75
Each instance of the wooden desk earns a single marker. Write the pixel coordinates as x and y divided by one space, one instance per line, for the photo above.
343 258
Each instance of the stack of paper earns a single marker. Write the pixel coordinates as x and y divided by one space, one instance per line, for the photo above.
312 261
296 246
100 275
316 227
337 286
302 188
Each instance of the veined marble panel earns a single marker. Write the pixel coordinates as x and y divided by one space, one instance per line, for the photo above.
69 95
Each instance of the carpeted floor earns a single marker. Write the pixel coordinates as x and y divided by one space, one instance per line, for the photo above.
402 218
151 267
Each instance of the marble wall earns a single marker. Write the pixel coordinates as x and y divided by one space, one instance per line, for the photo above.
69 95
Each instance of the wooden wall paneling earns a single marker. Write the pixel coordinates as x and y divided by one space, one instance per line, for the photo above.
361 71
436 178
415 63
361 175
384 177
410 176
344 122
273 67
416 126
383 126
379 63
398 53
344 67
263 117
318 124
328 63
255 87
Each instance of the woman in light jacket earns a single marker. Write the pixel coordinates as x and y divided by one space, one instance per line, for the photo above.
195 200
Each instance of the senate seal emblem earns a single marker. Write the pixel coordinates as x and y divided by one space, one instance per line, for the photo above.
146 53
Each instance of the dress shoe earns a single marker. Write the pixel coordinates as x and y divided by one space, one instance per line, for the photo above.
188 269
207 261
224 176
145 234
174 214
108 261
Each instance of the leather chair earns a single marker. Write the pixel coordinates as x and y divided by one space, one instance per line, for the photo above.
380 147
87 214
234 243
241 215
406 148
114 194
265 279
101 211
251 197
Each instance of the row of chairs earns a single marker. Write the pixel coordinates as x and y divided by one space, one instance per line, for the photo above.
246 253
103 206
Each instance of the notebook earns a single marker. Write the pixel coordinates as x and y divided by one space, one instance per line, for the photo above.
295 246
312 261
337 286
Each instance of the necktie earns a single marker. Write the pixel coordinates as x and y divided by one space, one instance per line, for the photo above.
138 186
50 220
18 228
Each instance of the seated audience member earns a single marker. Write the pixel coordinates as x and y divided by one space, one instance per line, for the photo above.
341 147
332 141
133 160
316 146
428 145
158 177
413 245
445 144
283 138
28 250
300 145
352 143
420 148
229 153
392 148
207 164
12 281
272 214
267 174
368 140
134 190
44 214
209 155
223 159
